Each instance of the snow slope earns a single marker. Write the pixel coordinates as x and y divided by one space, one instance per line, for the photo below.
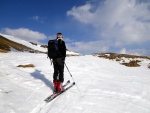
27 44
23 42
106 86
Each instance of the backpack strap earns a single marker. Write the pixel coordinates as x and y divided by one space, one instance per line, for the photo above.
56 44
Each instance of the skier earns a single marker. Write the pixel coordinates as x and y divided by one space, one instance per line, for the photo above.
58 64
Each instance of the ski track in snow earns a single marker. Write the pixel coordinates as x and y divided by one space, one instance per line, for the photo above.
107 86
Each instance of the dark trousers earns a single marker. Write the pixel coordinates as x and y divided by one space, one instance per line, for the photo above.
58 64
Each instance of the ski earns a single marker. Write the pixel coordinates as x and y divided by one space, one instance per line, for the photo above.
57 94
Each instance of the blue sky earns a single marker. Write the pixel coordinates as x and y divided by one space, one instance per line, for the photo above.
89 26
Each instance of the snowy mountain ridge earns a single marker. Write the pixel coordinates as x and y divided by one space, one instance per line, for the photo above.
28 46
25 43
125 59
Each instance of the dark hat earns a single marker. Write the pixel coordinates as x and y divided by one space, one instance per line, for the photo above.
59 33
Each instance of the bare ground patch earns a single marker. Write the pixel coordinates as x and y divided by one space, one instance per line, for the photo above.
124 59
27 66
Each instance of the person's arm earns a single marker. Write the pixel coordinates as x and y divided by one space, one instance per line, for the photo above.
64 49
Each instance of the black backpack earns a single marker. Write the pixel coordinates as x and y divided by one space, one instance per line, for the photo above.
53 50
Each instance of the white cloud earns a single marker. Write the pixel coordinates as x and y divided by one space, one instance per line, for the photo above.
38 19
121 21
82 13
89 47
25 34
124 23
35 18
123 51
51 37
139 52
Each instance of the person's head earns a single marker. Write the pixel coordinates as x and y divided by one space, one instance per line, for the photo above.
59 35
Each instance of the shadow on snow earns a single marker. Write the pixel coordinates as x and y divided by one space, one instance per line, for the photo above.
37 75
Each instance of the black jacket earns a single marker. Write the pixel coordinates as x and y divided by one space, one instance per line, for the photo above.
62 47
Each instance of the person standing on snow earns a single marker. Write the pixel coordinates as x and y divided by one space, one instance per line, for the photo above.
58 64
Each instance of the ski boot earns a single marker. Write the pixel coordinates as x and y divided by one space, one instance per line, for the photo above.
55 82
59 86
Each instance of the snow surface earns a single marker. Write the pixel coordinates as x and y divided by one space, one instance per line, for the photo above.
106 86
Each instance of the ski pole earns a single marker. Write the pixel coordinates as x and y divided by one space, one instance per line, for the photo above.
73 79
